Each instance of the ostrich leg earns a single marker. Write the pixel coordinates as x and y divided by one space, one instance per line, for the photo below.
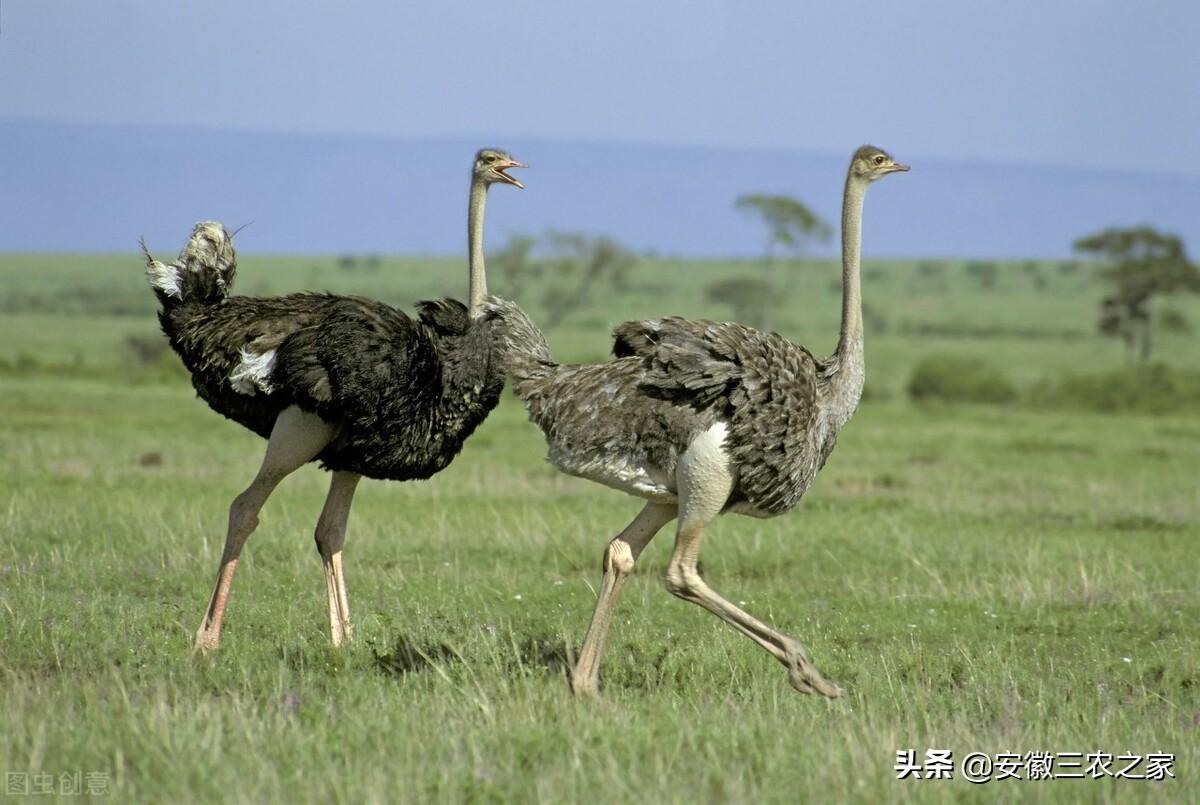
705 481
619 558
296 438
331 534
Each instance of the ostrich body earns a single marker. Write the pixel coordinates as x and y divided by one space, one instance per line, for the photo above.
347 381
699 418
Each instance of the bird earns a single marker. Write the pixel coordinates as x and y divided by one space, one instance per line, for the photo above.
350 382
699 418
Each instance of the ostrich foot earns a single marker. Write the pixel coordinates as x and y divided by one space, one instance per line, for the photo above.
805 677
206 641
585 687
208 636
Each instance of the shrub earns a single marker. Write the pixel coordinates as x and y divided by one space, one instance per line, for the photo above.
1173 321
951 378
752 299
876 392
984 273
1153 389
147 350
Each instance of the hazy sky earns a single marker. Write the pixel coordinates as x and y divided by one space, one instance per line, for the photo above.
1099 83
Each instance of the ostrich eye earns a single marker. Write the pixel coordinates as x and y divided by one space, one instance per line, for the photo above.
879 159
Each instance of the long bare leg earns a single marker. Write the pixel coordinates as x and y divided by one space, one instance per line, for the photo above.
331 534
296 438
619 558
705 482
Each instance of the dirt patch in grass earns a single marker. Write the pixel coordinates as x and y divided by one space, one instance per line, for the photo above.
1048 446
408 656
1141 522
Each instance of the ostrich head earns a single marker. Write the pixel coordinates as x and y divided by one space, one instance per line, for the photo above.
491 164
211 244
870 163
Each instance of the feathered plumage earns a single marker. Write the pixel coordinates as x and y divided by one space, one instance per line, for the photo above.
700 418
405 392
769 391
671 380
347 381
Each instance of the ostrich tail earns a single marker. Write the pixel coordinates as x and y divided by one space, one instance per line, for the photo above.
523 348
203 272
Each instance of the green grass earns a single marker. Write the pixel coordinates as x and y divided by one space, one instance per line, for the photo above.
979 578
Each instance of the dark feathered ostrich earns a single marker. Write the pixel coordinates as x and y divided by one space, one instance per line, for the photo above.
700 418
347 381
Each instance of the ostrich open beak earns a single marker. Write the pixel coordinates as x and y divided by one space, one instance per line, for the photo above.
499 170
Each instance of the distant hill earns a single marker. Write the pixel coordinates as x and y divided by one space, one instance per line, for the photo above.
95 188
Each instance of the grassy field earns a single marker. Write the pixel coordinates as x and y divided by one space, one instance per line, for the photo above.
995 579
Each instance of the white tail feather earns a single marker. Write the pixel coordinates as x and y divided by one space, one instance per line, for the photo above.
253 374
164 278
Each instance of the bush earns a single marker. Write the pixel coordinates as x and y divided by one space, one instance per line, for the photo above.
1153 389
752 299
951 378
984 273
1173 321
147 350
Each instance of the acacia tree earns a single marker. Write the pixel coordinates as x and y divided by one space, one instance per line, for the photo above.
1141 263
514 265
582 262
567 266
984 273
791 227
750 298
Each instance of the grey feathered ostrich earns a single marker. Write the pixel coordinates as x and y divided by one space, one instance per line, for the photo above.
347 381
700 418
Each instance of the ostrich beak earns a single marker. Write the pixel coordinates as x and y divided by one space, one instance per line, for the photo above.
503 166
898 167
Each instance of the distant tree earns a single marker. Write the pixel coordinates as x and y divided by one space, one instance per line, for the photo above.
751 299
791 227
931 270
347 262
1172 320
147 350
514 265
1068 267
984 273
873 320
932 274
1034 272
1141 263
568 268
790 224
373 262
583 262
1123 319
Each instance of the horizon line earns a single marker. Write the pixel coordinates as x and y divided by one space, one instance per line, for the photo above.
483 141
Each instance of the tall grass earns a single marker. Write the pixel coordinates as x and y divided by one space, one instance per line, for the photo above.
979 578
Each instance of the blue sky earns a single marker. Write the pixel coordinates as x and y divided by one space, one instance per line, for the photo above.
1091 84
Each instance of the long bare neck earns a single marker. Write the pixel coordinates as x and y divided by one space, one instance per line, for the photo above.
850 345
477 282
847 383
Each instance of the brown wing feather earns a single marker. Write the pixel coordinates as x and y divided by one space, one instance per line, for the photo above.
762 384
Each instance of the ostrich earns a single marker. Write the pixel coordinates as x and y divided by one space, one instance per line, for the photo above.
344 380
699 418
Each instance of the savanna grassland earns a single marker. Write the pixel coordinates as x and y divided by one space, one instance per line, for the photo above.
998 578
